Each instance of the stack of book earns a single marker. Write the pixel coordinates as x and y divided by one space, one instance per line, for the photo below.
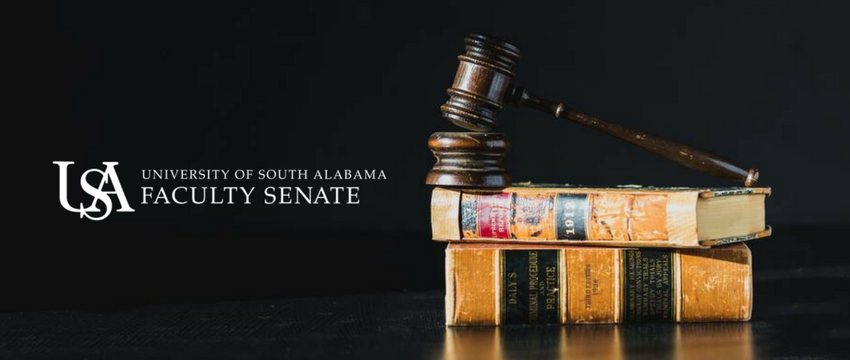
535 254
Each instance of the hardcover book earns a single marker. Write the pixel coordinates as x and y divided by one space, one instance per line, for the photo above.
494 284
624 216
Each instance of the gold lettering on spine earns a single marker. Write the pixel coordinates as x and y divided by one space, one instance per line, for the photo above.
511 288
569 211
649 290
533 279
591 285
552 281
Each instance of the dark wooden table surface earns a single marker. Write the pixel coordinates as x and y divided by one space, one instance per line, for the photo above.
799 313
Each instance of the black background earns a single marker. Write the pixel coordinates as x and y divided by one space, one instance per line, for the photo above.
357 85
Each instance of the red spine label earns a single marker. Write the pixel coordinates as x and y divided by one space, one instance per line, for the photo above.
494 216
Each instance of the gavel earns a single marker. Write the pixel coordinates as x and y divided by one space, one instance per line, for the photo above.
484 82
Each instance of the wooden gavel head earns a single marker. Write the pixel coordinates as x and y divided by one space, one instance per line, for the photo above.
481 83
469 159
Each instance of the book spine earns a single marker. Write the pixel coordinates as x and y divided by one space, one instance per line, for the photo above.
597 218
565 216
516 285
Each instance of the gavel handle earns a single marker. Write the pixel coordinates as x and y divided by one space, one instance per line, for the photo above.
699 160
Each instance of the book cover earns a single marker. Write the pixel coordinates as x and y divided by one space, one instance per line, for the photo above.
494 284
624 216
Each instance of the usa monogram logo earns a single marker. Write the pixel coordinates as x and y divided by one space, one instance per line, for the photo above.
108 176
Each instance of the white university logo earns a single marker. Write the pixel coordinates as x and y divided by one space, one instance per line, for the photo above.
108 176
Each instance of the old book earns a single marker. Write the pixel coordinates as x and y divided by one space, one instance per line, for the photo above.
623 216
493 284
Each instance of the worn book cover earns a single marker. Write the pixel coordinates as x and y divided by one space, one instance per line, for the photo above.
623 216
494 284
